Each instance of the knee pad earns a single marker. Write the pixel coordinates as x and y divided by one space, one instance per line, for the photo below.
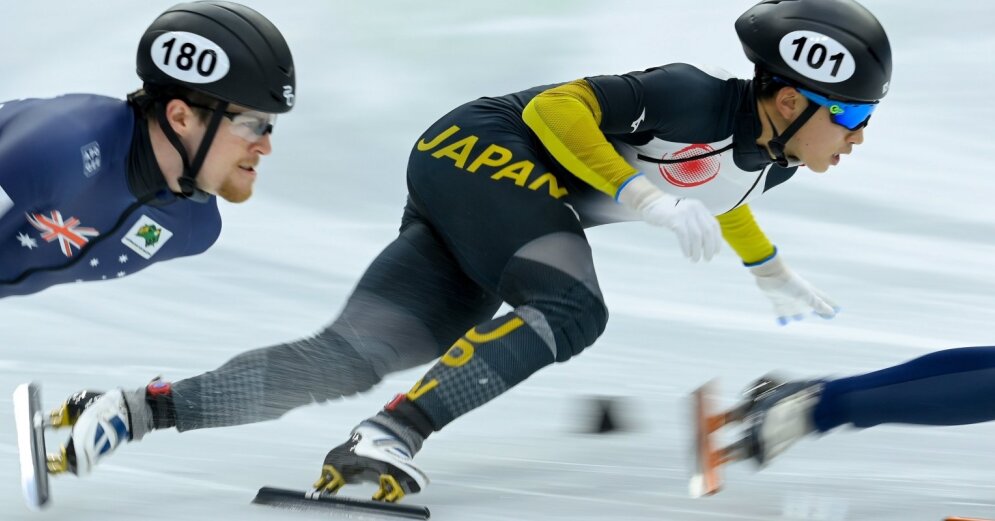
568 323
553 285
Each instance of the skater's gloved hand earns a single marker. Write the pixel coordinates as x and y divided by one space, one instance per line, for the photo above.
696 228
791 295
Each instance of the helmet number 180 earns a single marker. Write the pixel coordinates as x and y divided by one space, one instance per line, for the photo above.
189 57
206 61
817 56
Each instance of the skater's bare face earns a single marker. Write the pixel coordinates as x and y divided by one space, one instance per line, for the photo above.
229 170
819 143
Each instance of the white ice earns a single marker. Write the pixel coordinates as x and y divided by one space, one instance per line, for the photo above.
902 234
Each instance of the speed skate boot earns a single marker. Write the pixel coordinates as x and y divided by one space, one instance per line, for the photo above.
379 450
66 416
778 414
101 422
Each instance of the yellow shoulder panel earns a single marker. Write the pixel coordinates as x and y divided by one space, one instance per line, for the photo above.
566 119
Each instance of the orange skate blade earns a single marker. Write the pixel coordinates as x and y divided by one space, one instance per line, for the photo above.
705 478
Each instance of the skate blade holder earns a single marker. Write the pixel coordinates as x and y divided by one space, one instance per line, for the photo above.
315 502
706 478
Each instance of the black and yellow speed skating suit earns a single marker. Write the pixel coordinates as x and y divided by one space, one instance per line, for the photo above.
500 192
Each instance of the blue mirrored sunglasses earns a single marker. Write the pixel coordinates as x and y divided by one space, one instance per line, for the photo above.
852 116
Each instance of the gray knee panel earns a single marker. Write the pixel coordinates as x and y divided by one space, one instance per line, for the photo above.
555 289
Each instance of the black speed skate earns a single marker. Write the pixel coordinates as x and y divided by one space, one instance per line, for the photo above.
778 414
379 450
65 416
774 415
374 455
92 416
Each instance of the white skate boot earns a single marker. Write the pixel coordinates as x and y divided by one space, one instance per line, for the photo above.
372 454
779 414
100 423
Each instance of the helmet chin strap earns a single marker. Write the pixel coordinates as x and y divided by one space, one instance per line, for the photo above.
188 180
779 141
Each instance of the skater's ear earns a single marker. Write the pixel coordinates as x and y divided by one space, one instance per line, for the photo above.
789 103
183 118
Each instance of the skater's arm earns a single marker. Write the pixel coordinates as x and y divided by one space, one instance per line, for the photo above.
25 181
743 234
8 214
43 151
566 120
791 295
574 120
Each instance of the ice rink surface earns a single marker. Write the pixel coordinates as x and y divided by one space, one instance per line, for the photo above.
901 234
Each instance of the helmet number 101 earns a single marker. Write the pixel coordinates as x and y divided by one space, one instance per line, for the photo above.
817 56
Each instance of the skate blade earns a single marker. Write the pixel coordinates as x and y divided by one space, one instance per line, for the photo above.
705 477
30 423
317 502
954 518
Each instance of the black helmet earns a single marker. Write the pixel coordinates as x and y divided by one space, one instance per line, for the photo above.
833 47
221 49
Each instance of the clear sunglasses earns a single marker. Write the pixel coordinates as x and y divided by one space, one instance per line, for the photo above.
250 125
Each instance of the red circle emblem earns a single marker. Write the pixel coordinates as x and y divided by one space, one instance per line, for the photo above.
692 170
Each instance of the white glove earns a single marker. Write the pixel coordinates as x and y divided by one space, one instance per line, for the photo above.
791 295
697 229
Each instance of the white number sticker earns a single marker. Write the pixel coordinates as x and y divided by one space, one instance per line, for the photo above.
189 57
817 56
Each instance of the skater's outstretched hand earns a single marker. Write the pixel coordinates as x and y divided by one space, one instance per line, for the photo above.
791 295
696 228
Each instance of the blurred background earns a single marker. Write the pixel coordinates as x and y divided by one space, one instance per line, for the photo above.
901 234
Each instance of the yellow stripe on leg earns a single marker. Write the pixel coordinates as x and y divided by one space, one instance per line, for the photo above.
509 326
